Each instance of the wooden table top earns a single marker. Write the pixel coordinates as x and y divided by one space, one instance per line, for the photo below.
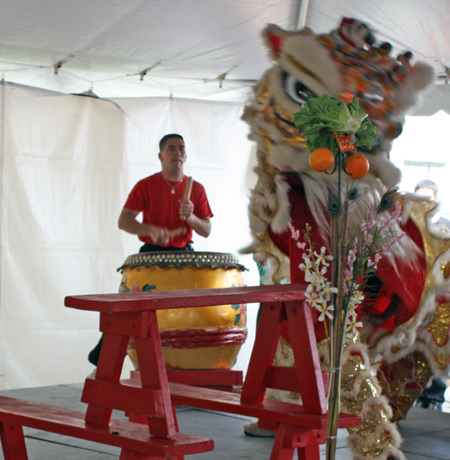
159 300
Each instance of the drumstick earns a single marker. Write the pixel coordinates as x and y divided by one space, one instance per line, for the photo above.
187 193
188 190
176 232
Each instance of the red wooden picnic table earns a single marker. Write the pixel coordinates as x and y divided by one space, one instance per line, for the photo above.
298 428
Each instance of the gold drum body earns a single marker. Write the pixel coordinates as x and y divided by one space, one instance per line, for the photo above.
194 337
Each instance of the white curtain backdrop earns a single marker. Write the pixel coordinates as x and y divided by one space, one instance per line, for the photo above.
67 165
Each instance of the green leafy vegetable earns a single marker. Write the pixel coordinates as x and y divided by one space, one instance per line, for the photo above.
323 115
322 139
365 136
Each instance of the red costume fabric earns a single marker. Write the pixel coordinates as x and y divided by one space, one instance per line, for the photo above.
152 196
401 287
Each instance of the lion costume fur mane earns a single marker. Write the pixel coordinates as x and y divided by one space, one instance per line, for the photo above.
345 63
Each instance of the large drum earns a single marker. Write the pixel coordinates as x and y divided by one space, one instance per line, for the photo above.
197 337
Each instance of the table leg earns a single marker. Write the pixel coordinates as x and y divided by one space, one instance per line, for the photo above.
264 348
307 362
279 450
154 376
110 364
13 442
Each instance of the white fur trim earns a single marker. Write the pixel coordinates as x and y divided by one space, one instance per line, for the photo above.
385 170
421 77
282 217
314 57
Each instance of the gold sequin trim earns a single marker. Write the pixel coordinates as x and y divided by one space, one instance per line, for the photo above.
439 327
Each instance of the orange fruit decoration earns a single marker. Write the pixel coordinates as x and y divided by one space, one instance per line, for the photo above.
357 165
321 159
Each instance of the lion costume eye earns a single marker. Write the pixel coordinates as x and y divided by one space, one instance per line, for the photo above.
295 89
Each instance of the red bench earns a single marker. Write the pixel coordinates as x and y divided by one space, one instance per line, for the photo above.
271 413
133 438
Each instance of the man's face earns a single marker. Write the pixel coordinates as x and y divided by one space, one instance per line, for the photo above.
425 191
173 155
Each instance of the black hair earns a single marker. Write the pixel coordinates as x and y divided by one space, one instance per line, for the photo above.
427 184
164 139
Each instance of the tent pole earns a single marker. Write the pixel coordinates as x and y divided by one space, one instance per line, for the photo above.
302 11
2 162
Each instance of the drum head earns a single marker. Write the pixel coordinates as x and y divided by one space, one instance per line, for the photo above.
180 259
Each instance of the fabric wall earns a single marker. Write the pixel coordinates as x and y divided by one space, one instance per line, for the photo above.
68 163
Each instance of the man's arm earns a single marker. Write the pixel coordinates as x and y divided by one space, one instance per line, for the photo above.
128 223
202 226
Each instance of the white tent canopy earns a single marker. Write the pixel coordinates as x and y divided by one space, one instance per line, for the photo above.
196 49
68 162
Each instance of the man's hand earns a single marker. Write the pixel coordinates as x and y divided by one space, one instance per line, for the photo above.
186 209
160 235
200 226
128 222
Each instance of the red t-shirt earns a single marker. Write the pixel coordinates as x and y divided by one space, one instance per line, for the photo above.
152 196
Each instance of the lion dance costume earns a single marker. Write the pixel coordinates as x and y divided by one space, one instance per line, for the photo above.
406 317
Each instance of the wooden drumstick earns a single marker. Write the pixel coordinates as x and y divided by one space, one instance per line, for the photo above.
176 232
188 190
187 193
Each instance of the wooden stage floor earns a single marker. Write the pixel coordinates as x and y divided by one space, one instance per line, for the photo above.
426 433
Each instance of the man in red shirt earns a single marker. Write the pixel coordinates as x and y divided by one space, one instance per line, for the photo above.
168 220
